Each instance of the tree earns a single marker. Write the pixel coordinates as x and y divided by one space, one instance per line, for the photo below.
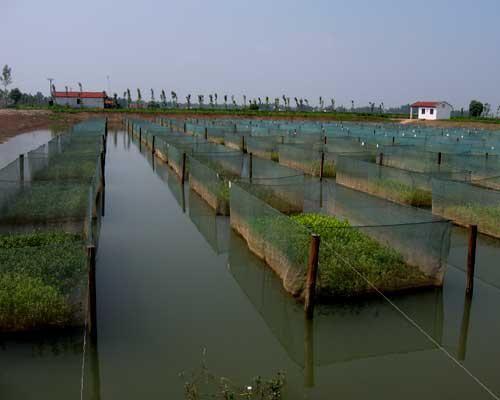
333 104
163 98
139 96
174 98
211 100
245 101
188 101
486 109
129 97
276 103
15 95
372 106
6 78
200 100
80 86
152 95
296 102
284 100
225 101
475 108
233 101
215 98
352 105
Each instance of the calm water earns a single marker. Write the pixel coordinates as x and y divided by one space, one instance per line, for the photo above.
174 284
13 147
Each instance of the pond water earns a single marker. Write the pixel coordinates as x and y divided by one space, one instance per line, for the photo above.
20 144
177 288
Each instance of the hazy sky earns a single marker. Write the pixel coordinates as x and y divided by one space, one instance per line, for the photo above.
391 51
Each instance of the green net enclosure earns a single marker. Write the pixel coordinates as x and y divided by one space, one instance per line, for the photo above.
264 147
316 343
278 240
209 176
305 158
466 204
398 185
420 239
42 280
214 229
235 141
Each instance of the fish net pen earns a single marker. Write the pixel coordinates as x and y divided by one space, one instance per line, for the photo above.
397 185
214 229
42 280
209 176
264 147
48 214
353 260
310 160
314 344
466 203
235 141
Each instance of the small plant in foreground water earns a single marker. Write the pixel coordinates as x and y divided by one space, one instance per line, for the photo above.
204 384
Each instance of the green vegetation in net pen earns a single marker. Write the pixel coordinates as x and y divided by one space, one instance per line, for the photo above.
349 259
64 167
41 275
401 193
46 202
486 217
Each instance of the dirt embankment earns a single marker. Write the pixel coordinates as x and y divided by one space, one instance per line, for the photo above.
14 122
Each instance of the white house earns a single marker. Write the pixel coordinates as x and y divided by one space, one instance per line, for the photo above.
432 110
80 99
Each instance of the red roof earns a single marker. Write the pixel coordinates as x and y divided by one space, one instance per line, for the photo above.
81 95
426 104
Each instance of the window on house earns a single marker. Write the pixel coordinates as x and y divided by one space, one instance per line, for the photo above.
423 110
78 101
431 111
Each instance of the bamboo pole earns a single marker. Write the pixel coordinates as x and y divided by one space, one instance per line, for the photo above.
322 166
250 167
312 273
21 167
471 259
183 175
92 293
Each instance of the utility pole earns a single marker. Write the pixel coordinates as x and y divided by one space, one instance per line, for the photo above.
50 85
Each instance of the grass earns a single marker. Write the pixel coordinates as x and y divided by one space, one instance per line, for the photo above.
39 273
348 257
47 201
66 166
402 193
487 218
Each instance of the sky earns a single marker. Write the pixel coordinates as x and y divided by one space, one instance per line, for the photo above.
394 52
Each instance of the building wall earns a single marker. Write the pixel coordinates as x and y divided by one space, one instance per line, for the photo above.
427 115
84 103
444 111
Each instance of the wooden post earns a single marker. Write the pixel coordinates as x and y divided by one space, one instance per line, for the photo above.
103 169
322 166
140 134
184 127
381 159
243 149
308 353
487 155
471 259
92 301
250 167
21 167
464 329
183 176
439 158
282 139
324 139
206 133
393 139
153 145
106 127
312 273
